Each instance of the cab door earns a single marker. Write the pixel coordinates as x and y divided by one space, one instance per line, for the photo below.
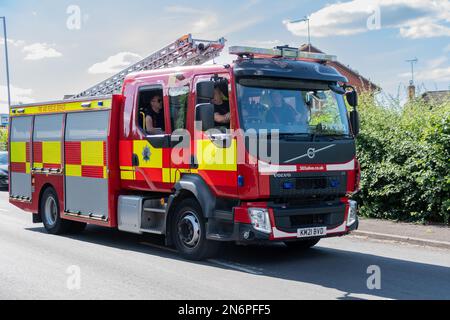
216 153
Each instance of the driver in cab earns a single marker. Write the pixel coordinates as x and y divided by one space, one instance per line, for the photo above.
281 112
221 109
154 119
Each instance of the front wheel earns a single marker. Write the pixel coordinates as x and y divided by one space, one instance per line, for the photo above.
189 232
302 245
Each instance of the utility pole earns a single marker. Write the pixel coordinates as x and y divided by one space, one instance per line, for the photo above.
7 61
412 62
307 20
412 87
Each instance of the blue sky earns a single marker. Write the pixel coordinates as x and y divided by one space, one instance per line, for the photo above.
375 37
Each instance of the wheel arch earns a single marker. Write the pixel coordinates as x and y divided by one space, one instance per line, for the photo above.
41 194
190 186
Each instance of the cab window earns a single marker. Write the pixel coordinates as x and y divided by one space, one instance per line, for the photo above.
151 110
178 98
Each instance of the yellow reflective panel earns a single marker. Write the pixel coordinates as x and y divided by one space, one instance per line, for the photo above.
18 152
92 153
149 157
212 157
127 175
73 170
166 175
62 107
38 165
51 152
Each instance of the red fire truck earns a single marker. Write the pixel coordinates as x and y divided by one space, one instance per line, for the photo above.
198 182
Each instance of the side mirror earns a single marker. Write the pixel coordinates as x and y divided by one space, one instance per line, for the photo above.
354 121
204 113
205 91
352 98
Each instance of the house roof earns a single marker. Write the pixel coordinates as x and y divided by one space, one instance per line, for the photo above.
437 97
355 79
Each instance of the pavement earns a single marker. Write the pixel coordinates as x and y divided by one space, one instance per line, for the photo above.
106 264
424 235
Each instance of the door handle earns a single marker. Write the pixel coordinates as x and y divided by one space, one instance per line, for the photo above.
194 162
135 160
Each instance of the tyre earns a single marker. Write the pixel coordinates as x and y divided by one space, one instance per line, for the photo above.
302 245
189 232
50 214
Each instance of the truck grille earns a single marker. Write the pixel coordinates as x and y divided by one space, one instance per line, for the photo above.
309 185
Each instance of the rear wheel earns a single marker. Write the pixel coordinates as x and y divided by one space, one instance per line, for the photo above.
50 215
302 245
189 232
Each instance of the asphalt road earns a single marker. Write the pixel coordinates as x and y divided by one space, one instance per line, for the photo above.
114 265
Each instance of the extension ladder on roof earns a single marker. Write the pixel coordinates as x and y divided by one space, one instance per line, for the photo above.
183 52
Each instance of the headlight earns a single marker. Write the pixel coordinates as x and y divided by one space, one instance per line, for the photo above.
260 219
352 213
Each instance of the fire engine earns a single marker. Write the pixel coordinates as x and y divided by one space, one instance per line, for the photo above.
89 159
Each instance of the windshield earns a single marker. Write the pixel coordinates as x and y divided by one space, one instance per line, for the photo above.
3 158
292 107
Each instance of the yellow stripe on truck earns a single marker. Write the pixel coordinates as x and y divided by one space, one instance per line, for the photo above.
211 157
127 175
18 152
73 170
51 152
92 153
149 157
97 104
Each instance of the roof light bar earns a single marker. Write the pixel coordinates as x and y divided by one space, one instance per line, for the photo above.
285 52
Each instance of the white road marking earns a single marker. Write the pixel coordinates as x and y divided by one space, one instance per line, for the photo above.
237 266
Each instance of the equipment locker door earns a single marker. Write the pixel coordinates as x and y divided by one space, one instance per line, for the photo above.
20 158
86 165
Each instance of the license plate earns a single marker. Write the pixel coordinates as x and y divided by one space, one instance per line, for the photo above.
312 232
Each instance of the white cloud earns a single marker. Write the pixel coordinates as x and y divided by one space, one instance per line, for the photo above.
18 96
429 30
39 51
413 18
208 23
115 63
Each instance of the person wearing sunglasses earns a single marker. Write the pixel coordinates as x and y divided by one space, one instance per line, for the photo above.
154 120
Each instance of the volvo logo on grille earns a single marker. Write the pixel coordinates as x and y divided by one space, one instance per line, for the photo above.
311 153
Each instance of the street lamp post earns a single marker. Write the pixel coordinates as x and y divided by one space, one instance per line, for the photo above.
7 61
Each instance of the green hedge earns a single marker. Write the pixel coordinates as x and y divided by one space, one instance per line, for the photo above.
3 139
405 161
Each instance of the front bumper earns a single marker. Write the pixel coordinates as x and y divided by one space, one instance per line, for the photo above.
285 223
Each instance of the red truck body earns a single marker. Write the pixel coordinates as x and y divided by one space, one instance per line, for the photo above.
100 179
